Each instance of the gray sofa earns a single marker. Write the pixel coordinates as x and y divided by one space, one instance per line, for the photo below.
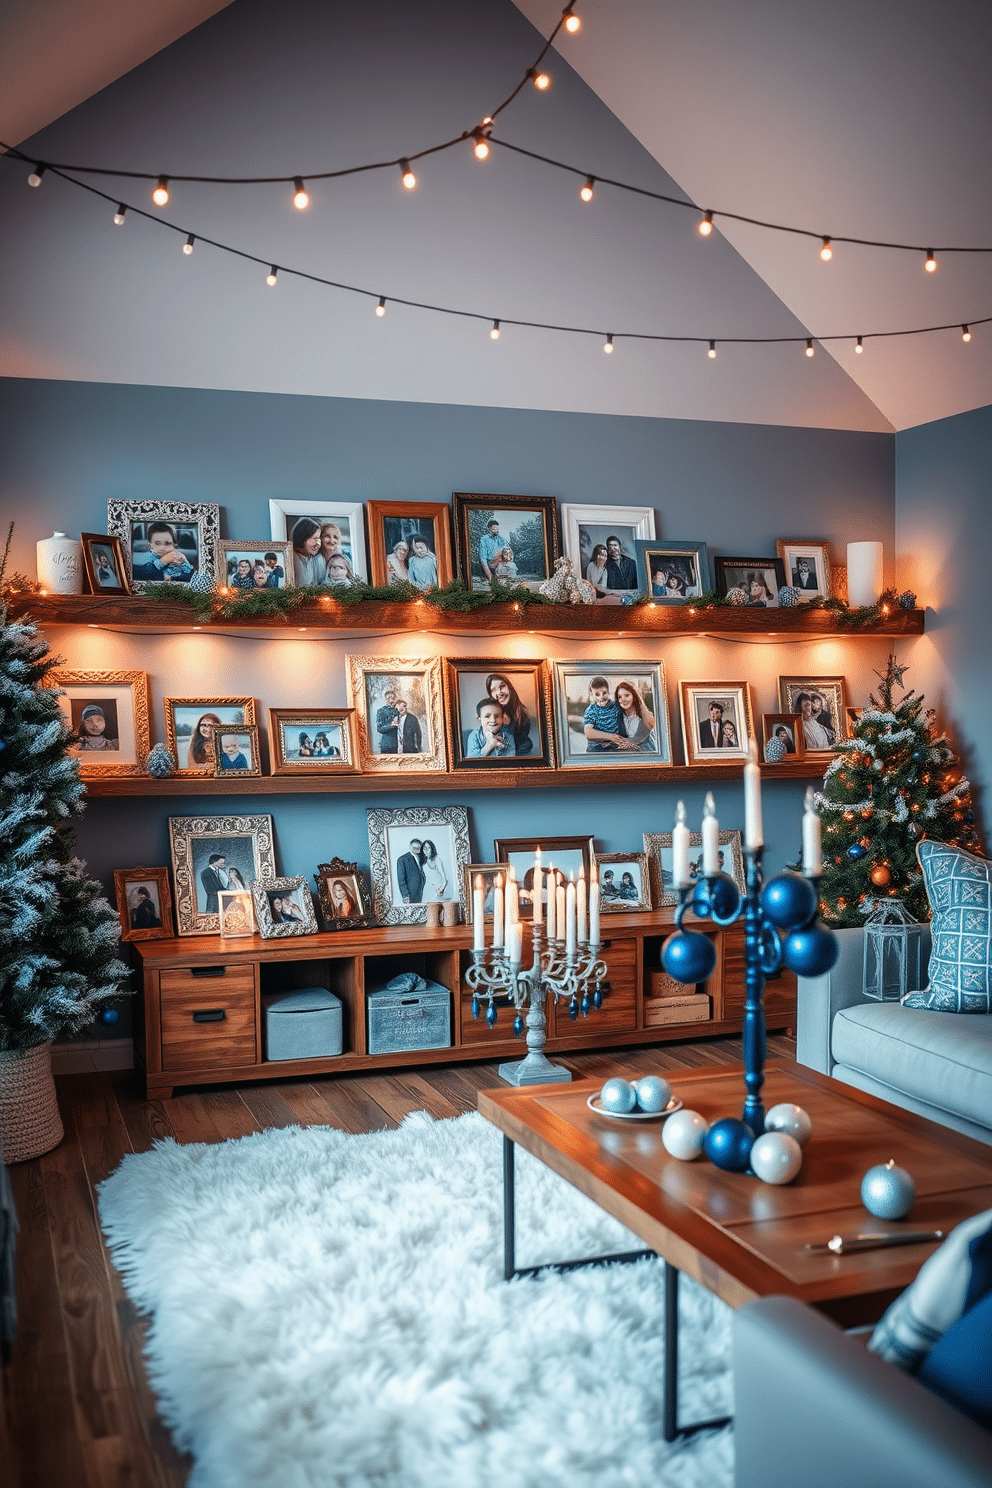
814 1408
936 1064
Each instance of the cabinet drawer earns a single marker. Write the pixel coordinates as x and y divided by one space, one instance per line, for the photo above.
209 1027
203 981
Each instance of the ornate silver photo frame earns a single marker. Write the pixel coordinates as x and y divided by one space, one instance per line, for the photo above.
165 542
418 857
211 853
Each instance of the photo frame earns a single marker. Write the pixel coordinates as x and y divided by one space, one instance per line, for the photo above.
624 882
235 750
189 725
759 578
399 713
343 892
672 573
489 873
211 853
784 727
108 714
405 878
716 721
339 528
395 524
806 565
485 526
144 903
566 854
165 542
283 907
103 564
235 913
658 847
312 741
588 528
823 725
497 713
243 566
610 713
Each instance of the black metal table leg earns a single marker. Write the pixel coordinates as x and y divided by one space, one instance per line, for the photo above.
670 1427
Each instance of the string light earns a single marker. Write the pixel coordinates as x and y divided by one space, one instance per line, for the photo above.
859 348
809 347
300 198
409 179
706 226
272 276
161 193
188 245
712 351
608 343
481 144
541 80
380 309
965 333
571 20
494 333
119 215
931 263
586 192
826 252
34 179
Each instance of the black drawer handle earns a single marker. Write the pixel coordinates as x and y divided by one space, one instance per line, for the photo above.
208 971
209 1015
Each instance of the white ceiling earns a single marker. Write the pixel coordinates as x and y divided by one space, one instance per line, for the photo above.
872 120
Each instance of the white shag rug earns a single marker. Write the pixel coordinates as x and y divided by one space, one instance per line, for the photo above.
329 1311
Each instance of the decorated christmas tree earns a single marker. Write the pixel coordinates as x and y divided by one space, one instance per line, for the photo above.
893 783
58 935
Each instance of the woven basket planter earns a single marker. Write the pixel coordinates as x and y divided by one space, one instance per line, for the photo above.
30 1123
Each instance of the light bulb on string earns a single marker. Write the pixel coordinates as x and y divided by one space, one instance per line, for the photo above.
586 192
859 348
809 347
541 80
931 263
119 215
161 193
826 252
300 198
494 333
706 226
272 276
712 351
965 333
572 21
34 179
481 144
380 309
409 179
188 245
608 343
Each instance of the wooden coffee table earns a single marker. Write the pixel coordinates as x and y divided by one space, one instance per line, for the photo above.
738 1237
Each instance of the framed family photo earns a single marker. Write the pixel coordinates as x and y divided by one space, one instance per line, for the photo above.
235 913
345 903
410 543
211 853
807 566
658 847
601 542
235 750
398 712
283 906
820 707
672 572
624 882
108 715
610 713
312 741
497 712
327 539
759 579
716 721
103 563
144 903
786 730
190 724
418 856
244 565
504 539
165 542
566 855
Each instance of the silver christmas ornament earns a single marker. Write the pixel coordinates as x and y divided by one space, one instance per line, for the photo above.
776 1157
160 762
618 1096
653 1093
791 1119
888 1192
683 1135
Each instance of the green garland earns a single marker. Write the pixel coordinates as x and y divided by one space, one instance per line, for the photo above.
211 604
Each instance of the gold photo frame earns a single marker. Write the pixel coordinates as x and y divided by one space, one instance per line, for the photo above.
716 721
189 725
229 745
108 713
144 903
823 723
312 741
394 525
398 712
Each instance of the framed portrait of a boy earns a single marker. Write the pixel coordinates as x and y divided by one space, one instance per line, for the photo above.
716 721
108 715
497 712
144 903
806 565
326 538
410 543
398 713
781 738
504 540
211 853
345 902
601 542
672 573
758 579
660 855
312 741
418 856
243 566
820 706
235 750
103 563
611 713
624 882
190 724
283 907
165 542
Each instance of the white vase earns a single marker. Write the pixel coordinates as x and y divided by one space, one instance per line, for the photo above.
60 564
864 573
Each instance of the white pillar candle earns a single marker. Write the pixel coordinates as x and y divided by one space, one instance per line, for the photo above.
594 912
570 916
680 849
580 907
552 903
711 837
478 914
864 573
753 832
812 852
538 889
560 902
512 897
514 943
498 911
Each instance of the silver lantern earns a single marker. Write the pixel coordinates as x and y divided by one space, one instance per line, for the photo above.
893 952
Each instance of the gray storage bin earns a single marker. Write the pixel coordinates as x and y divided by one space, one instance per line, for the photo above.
302 1024
409 1013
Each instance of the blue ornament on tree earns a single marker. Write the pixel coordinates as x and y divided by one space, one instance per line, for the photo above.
810 952
788 900
856 850
918 756
109 1016
728 1144
688 956
719 896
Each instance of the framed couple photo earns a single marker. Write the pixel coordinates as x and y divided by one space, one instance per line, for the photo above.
418 857
672 573
758 579
211 854
398 712
312 741
819 705
602 542
716 721
410 543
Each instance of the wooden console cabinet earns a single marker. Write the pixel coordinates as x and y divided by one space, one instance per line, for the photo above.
200 1017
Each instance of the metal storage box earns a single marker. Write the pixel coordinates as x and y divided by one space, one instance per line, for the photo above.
302 1024
418 1018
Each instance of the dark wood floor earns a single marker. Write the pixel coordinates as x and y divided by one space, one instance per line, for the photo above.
79 1411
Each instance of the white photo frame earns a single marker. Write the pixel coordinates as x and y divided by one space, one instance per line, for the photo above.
286 511
584 527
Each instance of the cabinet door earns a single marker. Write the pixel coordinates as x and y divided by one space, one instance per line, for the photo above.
619 1011
208 1022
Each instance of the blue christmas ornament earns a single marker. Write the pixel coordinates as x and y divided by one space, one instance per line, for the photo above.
888 1192
728 1144
788 900
969 816
585 1004
200 583
109 1016
775 751
688 956
597 997
810 952
160 762
518 1026
573 1009
475 1007
918 756
856 850
491 1015
719 896
788 597
618 1096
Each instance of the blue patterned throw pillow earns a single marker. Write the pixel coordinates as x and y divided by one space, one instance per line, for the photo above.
959 888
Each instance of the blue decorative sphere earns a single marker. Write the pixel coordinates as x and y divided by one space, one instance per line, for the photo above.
969 816
201 583
811 952
788 900
907 599
728 1144
653 1093
109 1015
160 762
788 597
888 1192
618 1096
688 956
775 751
918 756
719 895
856 850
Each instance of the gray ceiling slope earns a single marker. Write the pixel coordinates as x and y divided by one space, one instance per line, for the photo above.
873 120
307 85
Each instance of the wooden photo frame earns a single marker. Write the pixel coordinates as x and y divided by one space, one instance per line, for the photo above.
716 721
211 853
610 714
108 715
144 903
759 579
395 525
236 750
189 726
658 847
343 892
104 564
398 713
165 542
785 728
564 854
488 872
672 573
405 877
283 907
588 528
823 714
624 882
486 526
235 913
243 566
312 741
497 713
339 529
806 565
